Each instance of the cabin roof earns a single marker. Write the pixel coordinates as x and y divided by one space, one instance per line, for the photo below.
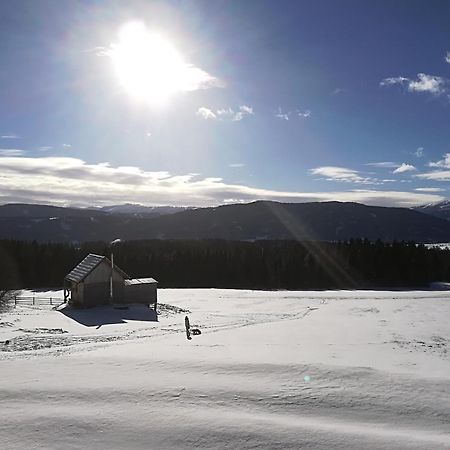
133 281
87 265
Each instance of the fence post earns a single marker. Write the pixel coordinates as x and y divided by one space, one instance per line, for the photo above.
33 300
15 301
51 301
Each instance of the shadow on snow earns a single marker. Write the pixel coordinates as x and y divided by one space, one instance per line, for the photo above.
107 315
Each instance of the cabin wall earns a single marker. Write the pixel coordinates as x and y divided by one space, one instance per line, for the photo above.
95 288
76 293
145 294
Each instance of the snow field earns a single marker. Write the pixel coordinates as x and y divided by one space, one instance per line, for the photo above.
322 369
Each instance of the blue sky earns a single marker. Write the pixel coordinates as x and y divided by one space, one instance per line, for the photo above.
289 100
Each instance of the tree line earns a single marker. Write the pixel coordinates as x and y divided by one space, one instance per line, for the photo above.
352 264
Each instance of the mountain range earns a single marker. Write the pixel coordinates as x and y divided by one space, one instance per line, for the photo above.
440 209
328 221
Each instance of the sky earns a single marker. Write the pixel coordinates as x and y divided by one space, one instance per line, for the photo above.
204 103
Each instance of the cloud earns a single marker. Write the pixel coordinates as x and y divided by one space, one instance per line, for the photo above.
338 91
387 164
205 113
72 181
10 136
419 152
399 168
236 165
332 173
390 81
11 152
429 189
438 175
306 113
45 148
427 83
447 57
246 109
98 50
286 115
66 145
423 83
442 163
404 167
281 115
226 114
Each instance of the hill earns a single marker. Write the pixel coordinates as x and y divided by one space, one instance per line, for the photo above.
327 221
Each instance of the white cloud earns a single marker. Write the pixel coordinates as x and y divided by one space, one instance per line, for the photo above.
427 83
281 115
205 113
10 136
393 80
286 115
305 114
423 83
226 114
11 152
332 173
63 180
45 148
66 145
404 167
98 50
419 152
246 109
338 91
243 111
439 175
430 189
387 164
442 163
447 57
236 165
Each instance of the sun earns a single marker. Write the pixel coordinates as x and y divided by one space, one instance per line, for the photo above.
150 68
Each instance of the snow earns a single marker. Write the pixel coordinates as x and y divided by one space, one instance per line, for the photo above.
441 245
313 369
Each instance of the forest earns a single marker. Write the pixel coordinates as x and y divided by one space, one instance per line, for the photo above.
278 264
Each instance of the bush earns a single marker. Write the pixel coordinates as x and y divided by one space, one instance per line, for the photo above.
5 296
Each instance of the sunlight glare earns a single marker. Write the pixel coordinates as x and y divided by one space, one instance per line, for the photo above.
150 68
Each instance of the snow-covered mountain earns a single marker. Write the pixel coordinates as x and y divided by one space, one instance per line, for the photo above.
440 209
137 209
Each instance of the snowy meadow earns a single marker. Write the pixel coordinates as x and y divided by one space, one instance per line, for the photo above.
284 369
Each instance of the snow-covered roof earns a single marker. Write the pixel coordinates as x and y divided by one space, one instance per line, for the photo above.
85 267
132 281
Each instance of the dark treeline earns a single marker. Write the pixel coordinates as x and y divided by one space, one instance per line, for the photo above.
233 264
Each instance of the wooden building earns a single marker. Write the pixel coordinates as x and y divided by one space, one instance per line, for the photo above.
89 284
141 290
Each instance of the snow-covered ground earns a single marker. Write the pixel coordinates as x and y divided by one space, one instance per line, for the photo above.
319 370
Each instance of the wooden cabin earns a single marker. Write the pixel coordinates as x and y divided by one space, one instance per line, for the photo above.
141 290
89 284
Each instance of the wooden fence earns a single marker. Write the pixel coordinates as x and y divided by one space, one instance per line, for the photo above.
36 300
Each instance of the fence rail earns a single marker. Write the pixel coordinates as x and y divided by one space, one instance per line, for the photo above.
36 300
